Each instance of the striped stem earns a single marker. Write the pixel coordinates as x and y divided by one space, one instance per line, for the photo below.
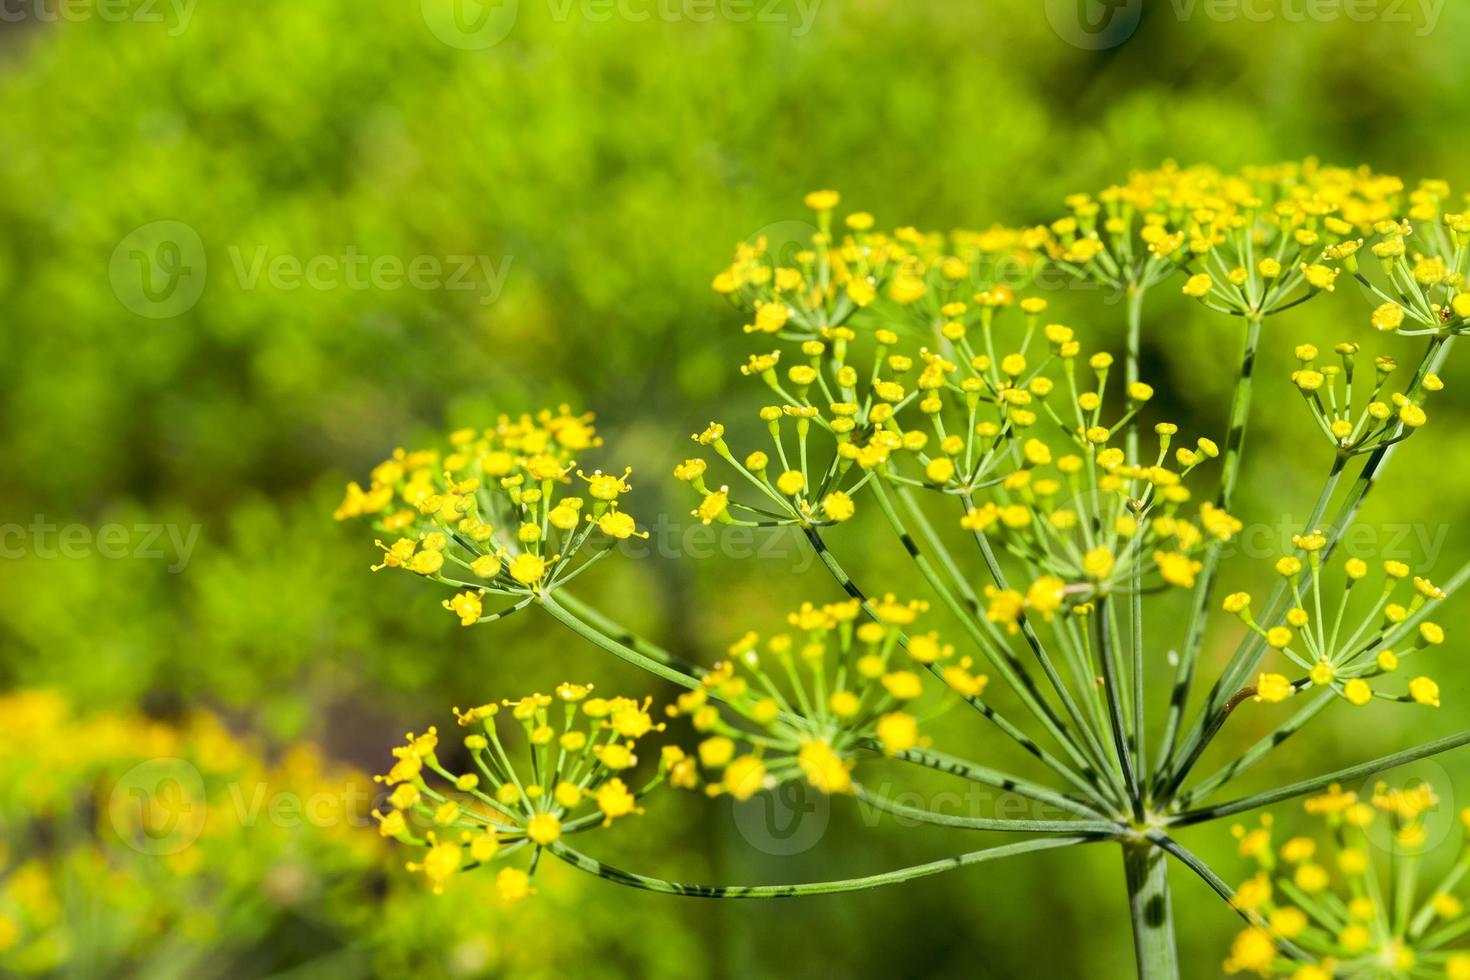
977 773
1240 403
1316 783
1088 781
922 815
1256 752
633 880
1208 876
1147 872
618 649
1010 669
1113 687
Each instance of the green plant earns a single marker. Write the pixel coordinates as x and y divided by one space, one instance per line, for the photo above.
921 382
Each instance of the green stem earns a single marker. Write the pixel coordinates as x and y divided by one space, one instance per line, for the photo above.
1087 782
1009 668
1112 686
621 634
633 880
620 650
1147 871
922 815
1245 659
1240 403
1257 751
1130 360
1316 783
942 762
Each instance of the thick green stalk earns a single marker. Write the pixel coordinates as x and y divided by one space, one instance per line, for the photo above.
633 880
1147 872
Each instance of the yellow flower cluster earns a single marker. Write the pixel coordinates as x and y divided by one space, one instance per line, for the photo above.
1384 420
492 515
806 703
1423 263
1325 895
946 417
1093 521
581 751
1355 644
1253 242
906 274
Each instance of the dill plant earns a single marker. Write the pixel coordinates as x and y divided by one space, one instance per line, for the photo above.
917 373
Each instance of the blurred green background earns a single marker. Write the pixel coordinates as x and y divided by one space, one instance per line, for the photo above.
599 165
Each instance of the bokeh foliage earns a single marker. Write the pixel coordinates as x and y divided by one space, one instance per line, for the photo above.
612 163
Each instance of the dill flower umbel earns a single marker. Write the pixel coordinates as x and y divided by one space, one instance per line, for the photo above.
911 381
492 516
581 752
807 704
1359 642
1322 906
1418 283
1383 421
